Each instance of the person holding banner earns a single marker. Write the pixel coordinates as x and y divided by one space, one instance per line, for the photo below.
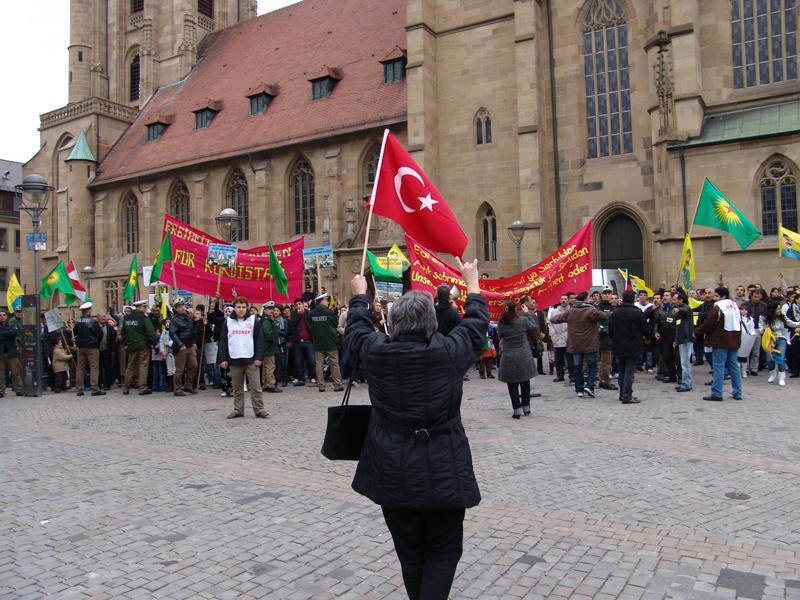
416 462
181 330
241 348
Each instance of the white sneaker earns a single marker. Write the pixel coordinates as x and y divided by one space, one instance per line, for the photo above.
782 378
744 373
772 375
579 394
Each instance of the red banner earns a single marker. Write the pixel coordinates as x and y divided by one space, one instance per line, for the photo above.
249 277
568 269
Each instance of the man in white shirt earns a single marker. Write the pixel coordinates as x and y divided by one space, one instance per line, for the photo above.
644 302
241 349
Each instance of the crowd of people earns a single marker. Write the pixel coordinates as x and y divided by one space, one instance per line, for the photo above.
598 340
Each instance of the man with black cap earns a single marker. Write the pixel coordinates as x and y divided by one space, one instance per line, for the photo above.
271 349
606 353
88 336
181 330
138 334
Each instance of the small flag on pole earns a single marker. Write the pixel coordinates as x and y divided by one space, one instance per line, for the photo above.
57 280
80 291
277 273
14 293
133 278
788 243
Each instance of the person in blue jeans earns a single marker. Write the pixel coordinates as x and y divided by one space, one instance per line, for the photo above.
723 330
302 343
683 338
583 340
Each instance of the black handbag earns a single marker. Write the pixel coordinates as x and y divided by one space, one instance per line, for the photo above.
347 427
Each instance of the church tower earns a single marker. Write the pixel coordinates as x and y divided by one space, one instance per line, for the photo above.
120 52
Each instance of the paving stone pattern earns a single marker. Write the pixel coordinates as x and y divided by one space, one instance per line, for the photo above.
162 497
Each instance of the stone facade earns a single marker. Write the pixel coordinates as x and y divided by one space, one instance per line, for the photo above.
466 59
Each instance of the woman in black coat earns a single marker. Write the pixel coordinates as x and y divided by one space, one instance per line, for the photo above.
416 462
517 366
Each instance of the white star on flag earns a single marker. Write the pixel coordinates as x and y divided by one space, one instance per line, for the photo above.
427 202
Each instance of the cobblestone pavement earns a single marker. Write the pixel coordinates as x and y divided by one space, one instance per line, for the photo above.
162 497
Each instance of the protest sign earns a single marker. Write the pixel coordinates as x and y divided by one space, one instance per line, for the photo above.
569 268
249 277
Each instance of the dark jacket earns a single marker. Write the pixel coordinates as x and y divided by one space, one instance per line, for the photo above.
416 383
258 345
138 332
215 320
269 332
8 340
294 326
446 318
714 329
602 326
181 330
581 320
665 323
87 332
323 328
683 325
516 360
629 330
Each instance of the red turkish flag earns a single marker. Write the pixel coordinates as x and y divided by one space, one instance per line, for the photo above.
404 194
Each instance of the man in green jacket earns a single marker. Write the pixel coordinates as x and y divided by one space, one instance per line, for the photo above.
271 349
138 334
326 342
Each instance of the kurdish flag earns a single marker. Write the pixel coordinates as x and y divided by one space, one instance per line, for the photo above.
715 210
382 273
277 273
58 280
133 279
788 244
163 255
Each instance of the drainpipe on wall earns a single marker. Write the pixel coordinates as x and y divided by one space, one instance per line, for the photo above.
683 189
553 107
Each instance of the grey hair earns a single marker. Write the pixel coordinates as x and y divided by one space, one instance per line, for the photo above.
413 314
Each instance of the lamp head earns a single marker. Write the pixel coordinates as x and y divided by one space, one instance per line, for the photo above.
34 190
517 230
227 221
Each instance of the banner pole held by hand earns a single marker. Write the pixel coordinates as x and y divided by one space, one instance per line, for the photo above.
372 201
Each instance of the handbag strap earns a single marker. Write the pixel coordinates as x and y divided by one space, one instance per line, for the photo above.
346 399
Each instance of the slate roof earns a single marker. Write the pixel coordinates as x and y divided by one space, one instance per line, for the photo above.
282 49
14 177
747 123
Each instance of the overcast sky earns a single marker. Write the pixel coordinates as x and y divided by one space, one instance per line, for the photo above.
34 35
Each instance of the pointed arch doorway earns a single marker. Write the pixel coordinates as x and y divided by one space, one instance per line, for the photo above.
621 245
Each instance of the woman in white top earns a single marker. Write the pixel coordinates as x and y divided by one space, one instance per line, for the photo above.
780 325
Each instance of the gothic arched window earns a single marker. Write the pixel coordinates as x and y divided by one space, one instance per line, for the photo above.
179 201
778 197
371 167
111 292
301 182
135 83
763 41
483 127
607 79
487 225
130 224
236 197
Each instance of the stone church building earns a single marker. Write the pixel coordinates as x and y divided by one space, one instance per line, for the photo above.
553 113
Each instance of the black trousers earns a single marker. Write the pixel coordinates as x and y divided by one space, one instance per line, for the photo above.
793 365
563 357
520 395
429 545
627 369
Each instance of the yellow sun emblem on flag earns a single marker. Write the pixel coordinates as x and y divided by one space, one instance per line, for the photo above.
132 279
726 213
52 279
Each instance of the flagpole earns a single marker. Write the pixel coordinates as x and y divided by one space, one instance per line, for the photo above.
380 306
372 201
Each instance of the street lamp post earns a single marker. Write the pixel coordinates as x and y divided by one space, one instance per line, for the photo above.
88 273
32 195
228 221
516 231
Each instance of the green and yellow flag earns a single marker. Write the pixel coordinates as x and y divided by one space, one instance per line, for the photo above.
383 272
57 280
133 279
715 210
277 273
14 293
788 244
687 272
163 255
